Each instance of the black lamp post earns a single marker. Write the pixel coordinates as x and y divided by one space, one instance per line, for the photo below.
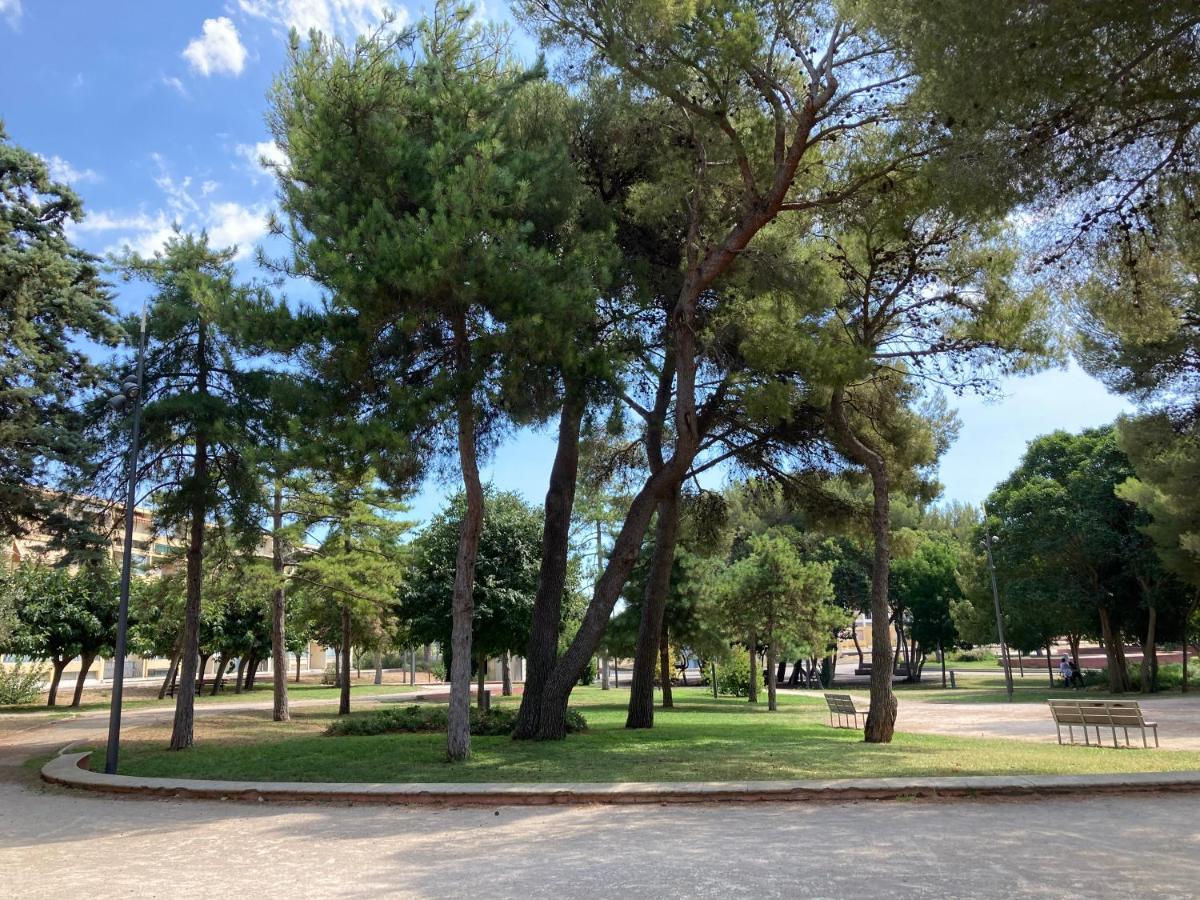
131 394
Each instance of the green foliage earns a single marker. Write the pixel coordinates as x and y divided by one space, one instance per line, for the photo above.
61 614
53 301
498 721
925 583
734 673
506 573
975 654
21 684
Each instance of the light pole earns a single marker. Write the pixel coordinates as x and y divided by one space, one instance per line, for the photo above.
988 541
131 393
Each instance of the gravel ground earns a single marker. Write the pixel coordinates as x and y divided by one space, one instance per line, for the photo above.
55 843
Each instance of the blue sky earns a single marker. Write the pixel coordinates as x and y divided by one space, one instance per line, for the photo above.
154 111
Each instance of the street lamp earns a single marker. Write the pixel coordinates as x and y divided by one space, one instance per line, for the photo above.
987 543
129 396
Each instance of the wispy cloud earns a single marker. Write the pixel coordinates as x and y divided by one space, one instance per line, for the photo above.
61 170
218 50
174 84
340 18
10 11
227 222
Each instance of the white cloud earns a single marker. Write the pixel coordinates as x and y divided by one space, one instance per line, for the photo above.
340 18
218 50
175 84
61 170
227 222
265 155
11 11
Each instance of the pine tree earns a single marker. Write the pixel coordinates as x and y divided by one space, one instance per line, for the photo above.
52 300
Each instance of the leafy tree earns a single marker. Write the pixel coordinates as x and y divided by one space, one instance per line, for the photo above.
925 585
506 580
198 418
770 90
775 594
418 195
62 614
52 302
350 582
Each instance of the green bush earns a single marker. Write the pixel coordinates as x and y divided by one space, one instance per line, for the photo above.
1170 676
329 676
733 675
499 721
975 654
20 685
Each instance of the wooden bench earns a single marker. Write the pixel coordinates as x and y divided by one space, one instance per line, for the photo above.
842 706
1097 714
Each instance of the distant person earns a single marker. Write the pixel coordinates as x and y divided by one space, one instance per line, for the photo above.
1064 670
1076 677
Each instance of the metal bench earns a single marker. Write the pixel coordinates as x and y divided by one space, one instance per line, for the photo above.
842 706
1097 714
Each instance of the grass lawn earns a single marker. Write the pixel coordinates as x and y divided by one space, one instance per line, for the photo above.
702 739
144 699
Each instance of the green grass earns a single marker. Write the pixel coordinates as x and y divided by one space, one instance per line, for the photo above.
701 739
261 692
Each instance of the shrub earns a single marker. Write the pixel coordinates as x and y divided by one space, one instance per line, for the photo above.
329 676
19 685
499 721
975 654
589 673
733 675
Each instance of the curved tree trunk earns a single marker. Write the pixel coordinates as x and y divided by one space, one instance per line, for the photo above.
59 664
506 674
240 679
85 666
458 731
650 627
279 689
171 670
881 717
542 649
216 685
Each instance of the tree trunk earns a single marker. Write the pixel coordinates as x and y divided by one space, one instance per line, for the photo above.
185 701
279 702
505 675
752 694
772 674
542 648
1073 641
1049 665
857 646
881 719
85 665
298 668
1149 679
171 670
664 666
650 628
1118 672
240 680
203 668
59 665
379 666
458 731
481 679
216 685
337 665
604 685
344 696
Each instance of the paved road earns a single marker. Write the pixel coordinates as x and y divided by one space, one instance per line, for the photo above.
55 843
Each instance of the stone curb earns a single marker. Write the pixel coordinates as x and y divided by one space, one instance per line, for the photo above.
67 769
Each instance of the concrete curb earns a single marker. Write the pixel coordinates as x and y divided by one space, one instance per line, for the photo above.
67 769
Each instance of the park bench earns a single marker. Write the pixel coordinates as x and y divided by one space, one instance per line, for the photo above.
842 706
1097 714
